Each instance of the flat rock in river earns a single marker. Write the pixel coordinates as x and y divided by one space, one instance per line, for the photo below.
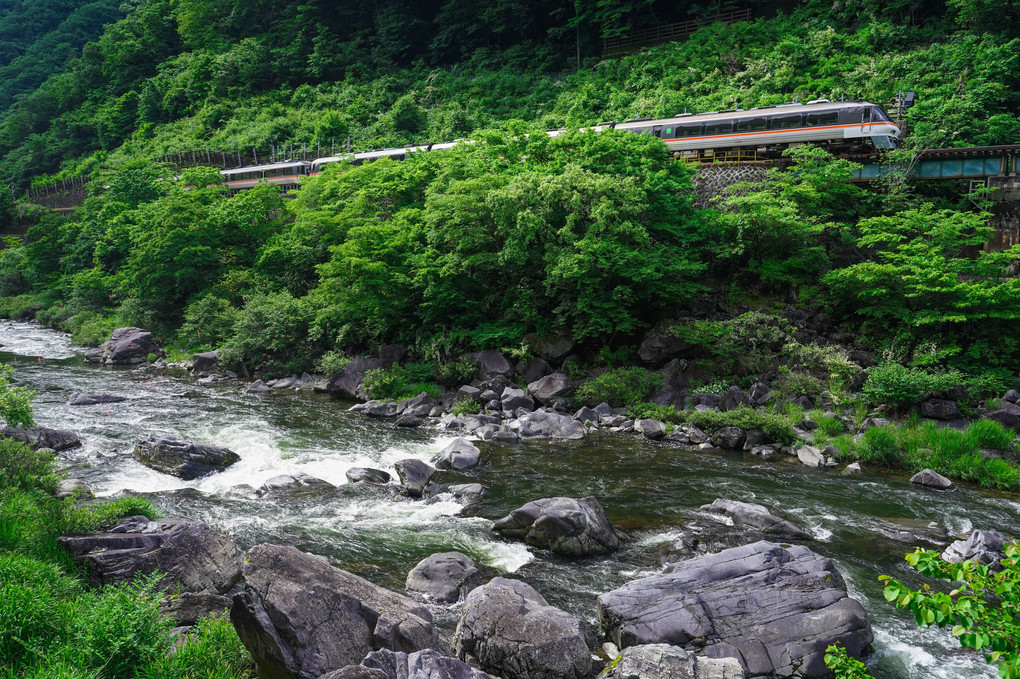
756 516
774 608
42 437
563 525
184 459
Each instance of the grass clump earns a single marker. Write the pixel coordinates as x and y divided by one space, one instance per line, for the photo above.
619 387
950 452
776 426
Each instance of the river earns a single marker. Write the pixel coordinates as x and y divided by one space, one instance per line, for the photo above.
865 523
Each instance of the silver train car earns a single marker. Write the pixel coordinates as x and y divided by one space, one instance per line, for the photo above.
841 126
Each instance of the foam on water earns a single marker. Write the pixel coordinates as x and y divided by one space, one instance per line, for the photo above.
32 341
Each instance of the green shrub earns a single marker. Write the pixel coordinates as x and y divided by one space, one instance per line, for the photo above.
15 402
385 383
466 406
21 467
843 666
899 386
91 328
56 316
652 411
332 362
620 387
208 322
272 333
794 383
456 373
775 426
20 307
419 372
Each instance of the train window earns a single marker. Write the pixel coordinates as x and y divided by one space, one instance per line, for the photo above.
689 131
817 119
866 115
786 122
657 130
719 128
878 115
751 124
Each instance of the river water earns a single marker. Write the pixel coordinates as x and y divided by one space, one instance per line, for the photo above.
865 523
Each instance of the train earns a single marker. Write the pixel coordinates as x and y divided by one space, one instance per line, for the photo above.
843 126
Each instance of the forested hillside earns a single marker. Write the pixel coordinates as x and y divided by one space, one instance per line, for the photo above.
594 237
175 76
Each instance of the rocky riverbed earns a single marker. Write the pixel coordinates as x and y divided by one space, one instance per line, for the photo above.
657 494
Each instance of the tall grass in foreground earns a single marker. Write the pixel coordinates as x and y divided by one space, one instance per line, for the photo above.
956 454
53 626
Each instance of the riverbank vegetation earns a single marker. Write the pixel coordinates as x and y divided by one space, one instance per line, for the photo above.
52 624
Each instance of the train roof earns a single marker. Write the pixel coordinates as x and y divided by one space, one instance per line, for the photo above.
778 109
270 166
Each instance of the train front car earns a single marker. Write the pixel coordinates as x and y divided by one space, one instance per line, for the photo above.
764 132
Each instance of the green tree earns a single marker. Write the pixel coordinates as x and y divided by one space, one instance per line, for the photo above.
924 281
15 402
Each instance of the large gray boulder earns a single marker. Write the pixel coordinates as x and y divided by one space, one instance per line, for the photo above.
533 369
42 437
509 630
663 661
418 406
551 387
733 399
729 438
445 577
347 382
194 557
460 454
562 525
183 459
756 516
128 346
204 361
987 547
659 345
79 399
492 364
1008 415
511 399
300 617
543 424
414 476
774 608
427 664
